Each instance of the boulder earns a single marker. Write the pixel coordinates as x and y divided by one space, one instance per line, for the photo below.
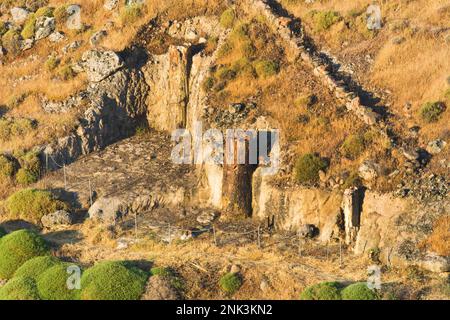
436 146
110 4
368 170
56 37
44 27
160 288
101 64
19 15
74 21
58 218
434 263
108 210
97 37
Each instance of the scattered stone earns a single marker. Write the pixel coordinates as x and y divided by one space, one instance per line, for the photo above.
73 22
101 64
369 170
436 146
160 288
108 210
110 4
56 37
19 15
97 37
235 268
435 263
26 44
206 218
410 154
58 218
44 27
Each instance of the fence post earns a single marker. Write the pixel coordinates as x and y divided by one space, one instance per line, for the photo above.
65 178
135 226
259 236
214 235
90 193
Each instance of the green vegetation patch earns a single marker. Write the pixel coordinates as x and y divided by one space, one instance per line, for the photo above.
266 68
359 291
32 204
113 280
18 247
353 146
432 111
322 291
228 18
7 168
131 13
34 267
19 288
11 41
168 273
230 282
325 19
53 284
29 27
307 167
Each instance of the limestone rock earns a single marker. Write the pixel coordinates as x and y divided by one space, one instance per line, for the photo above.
368 170
19 15
108 210
160 288
436 146
97 37
110 4
101 64
58 218
56 37
44 27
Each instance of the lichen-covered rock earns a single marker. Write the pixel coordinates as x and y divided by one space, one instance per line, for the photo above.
436 146
44 27
19 15
56 37
108 210
369 170
58 218
101 64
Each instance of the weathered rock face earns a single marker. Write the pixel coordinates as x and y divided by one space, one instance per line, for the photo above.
167 76
117 103
44 27
293 208
108 210
101 64
19 15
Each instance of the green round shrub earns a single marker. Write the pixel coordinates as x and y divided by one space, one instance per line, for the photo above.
358 291
32 204
52 284
353 146
266 68
36 266
230 282
18 247
29 27
25 177
227 18
432 111
307 168
20 288
113 280
322 291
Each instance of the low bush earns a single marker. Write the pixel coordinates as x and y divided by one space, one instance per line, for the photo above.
18 247
30 170
322 291
130 13
36 266
60 14
325 19
432 111
353 146
230 282
29 27
11 41
32 204
358 291
113 280
13 127
7 168
52 284
19 288
307 167
227 18
266 68
44 12
170 274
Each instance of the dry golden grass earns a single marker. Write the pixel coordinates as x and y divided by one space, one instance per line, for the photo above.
439 240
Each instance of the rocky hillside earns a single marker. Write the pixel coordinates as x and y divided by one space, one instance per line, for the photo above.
93 91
